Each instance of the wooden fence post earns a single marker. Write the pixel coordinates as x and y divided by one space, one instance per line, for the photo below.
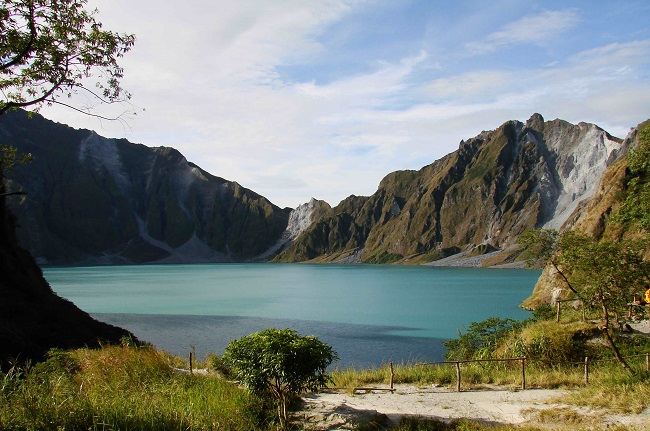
392 375
457 376
190 362
647 361
523 374
586 369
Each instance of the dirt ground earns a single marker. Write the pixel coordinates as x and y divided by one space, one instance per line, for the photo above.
339 410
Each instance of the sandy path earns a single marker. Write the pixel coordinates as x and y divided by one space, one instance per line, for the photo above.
331 411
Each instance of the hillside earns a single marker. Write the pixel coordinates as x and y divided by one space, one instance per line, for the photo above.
594 219
477 199
93 200
33 319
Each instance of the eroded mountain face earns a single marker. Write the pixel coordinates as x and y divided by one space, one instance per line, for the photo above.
593 218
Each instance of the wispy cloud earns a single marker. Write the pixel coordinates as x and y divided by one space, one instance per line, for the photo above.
220 88
532 29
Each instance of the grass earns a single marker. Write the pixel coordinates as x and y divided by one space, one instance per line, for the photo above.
126 388
473 376
122 388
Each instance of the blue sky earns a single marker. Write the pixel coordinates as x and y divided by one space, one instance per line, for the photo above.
300 99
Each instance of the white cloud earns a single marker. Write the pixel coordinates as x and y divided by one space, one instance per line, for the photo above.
209 75
532 29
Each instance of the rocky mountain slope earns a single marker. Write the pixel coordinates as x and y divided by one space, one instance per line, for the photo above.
478 199
593 219
33 319
96 200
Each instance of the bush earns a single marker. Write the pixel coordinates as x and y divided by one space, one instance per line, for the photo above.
481 339
216 363
280 364
549 341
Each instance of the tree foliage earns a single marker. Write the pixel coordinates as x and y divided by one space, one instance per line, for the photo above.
635 208
280 363
604 275
50 48
539 246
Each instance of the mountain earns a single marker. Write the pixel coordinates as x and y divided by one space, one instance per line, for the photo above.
96 200
474 201
593 219
93 200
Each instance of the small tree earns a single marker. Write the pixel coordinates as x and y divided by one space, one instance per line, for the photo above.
603 274
280 363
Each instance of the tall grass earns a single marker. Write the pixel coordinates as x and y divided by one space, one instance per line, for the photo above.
122 388
473 375
609 386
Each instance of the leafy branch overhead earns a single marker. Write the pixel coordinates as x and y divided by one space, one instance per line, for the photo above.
49 49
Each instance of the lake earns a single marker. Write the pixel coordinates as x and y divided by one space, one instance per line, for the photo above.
370 314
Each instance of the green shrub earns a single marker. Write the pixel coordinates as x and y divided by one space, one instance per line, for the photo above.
216 363
481 339
548 342
280 364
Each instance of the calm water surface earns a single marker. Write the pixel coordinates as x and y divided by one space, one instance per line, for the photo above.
369 313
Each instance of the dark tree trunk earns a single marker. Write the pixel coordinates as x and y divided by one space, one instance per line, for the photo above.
608 337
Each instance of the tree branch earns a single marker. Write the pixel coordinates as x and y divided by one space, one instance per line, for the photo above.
119 117
32 37
566 280
11 105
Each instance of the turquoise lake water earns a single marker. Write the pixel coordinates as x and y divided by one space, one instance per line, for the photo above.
369 313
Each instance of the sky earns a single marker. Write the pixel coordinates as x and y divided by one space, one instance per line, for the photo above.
323 98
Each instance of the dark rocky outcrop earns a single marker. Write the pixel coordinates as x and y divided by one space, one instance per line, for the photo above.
96 200
33 319
492 189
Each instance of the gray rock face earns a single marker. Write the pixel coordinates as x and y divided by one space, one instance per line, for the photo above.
299 220
96 200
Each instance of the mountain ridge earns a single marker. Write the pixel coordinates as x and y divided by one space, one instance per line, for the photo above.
103 200
493 188
96 200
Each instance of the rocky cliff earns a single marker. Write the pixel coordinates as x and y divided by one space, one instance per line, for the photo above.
96 200
480 198
593 218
